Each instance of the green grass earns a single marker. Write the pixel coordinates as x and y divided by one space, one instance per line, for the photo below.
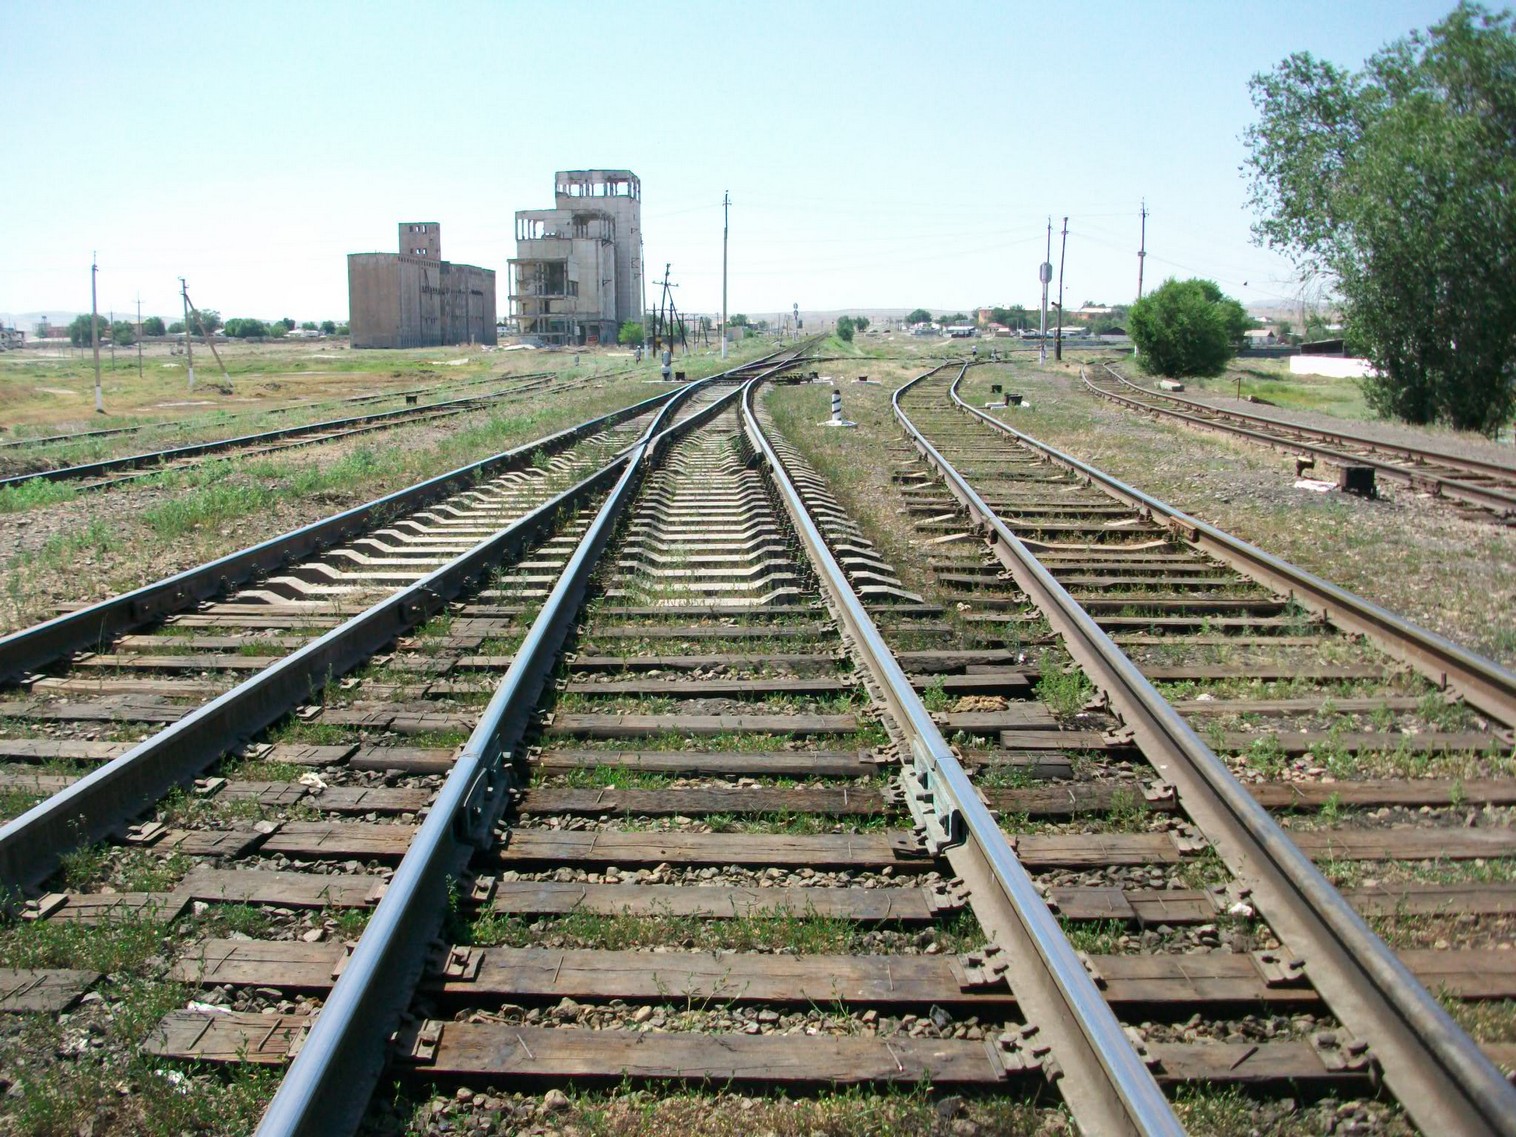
1064 693
807 934
35 495
668 1111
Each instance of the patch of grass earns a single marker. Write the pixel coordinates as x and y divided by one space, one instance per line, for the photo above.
1064 693
35 494
113 946
907 1110
806 934
1098 937
242 919
934 697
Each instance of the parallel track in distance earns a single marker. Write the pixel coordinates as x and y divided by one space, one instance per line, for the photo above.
1490 486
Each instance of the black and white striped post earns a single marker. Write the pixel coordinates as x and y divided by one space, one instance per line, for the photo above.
837 419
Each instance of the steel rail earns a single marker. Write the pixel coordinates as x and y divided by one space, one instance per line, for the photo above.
31 648
1493 499
1481 682
1103 1080
32 845
1440 1076
327 1086
353 425
1347 438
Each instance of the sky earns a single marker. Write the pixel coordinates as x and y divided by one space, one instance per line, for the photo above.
878 155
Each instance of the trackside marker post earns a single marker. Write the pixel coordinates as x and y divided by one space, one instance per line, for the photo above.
837 419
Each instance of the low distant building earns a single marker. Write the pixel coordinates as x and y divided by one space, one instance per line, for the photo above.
414 298
1260 337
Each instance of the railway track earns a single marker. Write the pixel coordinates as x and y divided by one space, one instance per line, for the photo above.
109 472
706 599
668 795
1489 486
1233 689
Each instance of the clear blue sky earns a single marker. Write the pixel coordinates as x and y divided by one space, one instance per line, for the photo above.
878 155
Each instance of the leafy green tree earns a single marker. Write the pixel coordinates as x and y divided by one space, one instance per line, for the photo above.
204 321
242 328
123 334
307 325
176 328
1015 316
328 327
277 329
955 318
1186 327
919 316
630 334
341 330
289 324
738 321
1396 181
845 328
861 323
78 331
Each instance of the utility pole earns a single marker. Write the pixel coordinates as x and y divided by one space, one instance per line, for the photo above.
189 347
1062 251
726 208
1142 248
94 331
210 343
139 335
1045 274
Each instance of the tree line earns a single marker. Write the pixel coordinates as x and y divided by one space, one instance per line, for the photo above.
203 322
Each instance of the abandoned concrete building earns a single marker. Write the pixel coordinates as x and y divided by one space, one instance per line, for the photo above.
414 298
577 272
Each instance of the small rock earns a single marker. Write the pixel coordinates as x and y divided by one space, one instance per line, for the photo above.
555 1101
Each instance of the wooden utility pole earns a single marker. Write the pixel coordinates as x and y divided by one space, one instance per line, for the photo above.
1142 247
1058 334
189 346
205 334
94 331
139 335
726 206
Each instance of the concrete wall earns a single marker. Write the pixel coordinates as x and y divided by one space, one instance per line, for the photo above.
626 209
421 239
373 299
1335 366
402 301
